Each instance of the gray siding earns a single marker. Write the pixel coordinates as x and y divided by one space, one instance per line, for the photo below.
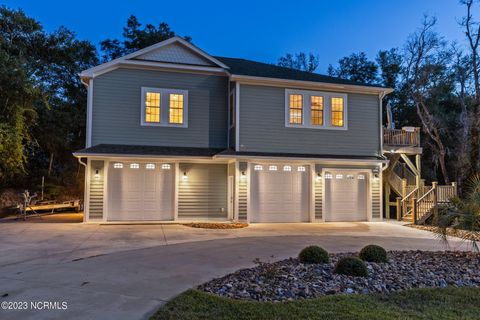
262 126
204 194
95 206
117 109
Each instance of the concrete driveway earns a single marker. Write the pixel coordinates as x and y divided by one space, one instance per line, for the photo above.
128 271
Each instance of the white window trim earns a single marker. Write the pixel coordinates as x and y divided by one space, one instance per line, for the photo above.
306 109
164 107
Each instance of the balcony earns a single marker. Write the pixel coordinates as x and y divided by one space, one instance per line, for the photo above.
405 140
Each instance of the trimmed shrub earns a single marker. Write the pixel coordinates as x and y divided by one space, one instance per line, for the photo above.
373 253
313 254
351 266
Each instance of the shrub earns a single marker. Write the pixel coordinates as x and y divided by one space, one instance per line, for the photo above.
313 254
351 266
373 253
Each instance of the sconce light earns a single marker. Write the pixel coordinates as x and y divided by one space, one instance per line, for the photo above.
185 177
376 173
97 174
318 177
243 176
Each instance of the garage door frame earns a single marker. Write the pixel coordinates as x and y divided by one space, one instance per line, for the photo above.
354 171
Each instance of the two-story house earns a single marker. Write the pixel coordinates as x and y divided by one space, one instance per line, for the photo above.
175 134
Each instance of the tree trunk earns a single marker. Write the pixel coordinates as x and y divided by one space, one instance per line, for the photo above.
50 164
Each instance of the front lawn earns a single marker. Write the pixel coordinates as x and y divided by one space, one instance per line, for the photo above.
448 303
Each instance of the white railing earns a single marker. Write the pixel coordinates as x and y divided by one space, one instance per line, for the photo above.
399 137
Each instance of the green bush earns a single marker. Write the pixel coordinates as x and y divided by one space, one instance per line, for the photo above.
351 266
373 253
313 254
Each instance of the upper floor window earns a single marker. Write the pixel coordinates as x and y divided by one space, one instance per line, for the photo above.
164 107
315 110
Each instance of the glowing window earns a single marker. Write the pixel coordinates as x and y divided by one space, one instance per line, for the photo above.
165 166
339 176
118 165
296 108
176 108
134 166
287 168
316 111
349 176
328 176
301 169
361 177
337 111
272 168
258 167
150 166
152 107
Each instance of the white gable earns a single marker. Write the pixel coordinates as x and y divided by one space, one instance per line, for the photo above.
175 53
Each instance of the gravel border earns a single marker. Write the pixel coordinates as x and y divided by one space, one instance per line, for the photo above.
463 234
290 280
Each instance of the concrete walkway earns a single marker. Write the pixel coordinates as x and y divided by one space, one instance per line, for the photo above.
127 272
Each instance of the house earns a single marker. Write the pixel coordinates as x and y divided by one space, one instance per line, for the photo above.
175 134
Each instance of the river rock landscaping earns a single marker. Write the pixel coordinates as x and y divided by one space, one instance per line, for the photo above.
290 280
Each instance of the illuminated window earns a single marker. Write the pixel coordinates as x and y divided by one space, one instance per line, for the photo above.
328 176
337 111
258 167
296 109
361 177
349 176
272 168
301 169
287 168
150 166
118 165
339 176
176 108
134 166
165 166
152 107
316 110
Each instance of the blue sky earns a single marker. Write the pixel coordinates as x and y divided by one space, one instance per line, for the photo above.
259 30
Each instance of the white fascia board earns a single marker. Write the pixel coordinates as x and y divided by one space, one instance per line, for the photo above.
275 82
92 72
300 159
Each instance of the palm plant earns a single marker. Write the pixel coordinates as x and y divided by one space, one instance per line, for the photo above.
461 218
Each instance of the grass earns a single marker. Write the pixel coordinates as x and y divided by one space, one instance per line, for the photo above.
448 303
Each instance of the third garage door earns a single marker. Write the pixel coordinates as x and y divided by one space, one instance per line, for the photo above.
279 193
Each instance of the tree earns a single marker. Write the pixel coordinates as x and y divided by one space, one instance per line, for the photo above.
135 38
355 67
299 61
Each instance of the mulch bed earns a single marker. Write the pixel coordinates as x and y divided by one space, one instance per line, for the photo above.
217 225
464 234
290 280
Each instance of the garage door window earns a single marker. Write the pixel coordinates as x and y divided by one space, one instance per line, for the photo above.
301 169
287 168
150 166
328 176
361 177
339 176
258 167
165 166
272 168
134 166
118 165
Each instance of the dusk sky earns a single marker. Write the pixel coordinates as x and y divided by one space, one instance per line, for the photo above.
259 30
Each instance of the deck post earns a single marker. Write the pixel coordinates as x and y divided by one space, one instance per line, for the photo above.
454 185
435 199
387 192
399 208
414 210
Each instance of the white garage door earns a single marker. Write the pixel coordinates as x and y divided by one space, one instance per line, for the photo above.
279 193
345 195
140 191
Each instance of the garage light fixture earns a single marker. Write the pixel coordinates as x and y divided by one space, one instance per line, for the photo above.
301 169
318 177
258 167
328 176
243 176
118 165
134 166
97 174
376 174
287 168
185 177
165 166
150 166
272 168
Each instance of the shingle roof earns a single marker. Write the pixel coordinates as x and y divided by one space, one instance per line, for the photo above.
130 150
259 69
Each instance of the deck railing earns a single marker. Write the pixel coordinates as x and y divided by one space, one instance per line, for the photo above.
401 137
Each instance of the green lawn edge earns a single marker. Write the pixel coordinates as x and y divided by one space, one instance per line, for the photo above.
446 303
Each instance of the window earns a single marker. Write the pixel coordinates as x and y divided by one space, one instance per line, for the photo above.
176 108
361 177
150 166
296 109
339 176
258 167
272 168
164 107
328 176
301 169
118 165
134 166
165 166
316 112
287 168
350 177
337 111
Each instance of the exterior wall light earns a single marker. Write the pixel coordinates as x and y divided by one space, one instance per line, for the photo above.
376 174
243 176
185 177
318 178
97 174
